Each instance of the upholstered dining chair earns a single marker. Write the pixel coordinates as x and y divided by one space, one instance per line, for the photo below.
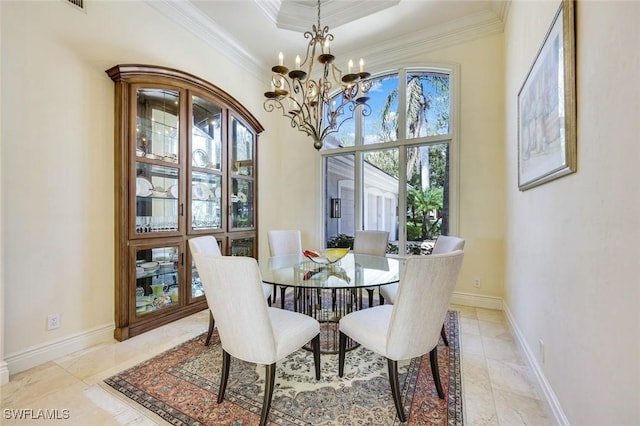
281 243
373 243
208 244
444 244
447 244
411 326
249 329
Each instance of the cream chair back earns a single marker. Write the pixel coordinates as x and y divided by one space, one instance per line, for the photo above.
239 306
284 242
446 244
424 294
205 244
208 244
373 243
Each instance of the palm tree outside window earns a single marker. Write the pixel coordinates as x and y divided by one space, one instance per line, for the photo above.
397 158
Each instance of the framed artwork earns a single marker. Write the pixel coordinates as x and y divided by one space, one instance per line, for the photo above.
547 106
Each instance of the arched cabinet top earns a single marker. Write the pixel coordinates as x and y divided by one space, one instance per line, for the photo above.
157 74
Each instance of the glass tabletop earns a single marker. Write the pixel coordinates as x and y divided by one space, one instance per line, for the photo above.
352 271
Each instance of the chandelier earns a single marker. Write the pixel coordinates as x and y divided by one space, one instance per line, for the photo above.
303 94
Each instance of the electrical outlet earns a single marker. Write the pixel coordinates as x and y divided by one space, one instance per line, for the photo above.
476 283
53 321
541 350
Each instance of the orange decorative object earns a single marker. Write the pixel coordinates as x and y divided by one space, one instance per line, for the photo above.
311 253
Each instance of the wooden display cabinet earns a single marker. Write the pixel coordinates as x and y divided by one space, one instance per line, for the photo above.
185 166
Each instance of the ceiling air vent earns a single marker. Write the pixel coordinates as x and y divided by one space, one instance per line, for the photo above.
79 4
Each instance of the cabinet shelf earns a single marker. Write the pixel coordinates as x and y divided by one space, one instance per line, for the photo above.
156 197
156 273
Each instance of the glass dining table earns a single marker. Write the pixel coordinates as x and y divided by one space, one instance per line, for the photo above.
328 292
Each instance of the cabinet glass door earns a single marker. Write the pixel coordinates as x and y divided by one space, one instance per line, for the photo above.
206 134
242 204
157 124
243 247
156 279
206 201
156 192
242 214
241 149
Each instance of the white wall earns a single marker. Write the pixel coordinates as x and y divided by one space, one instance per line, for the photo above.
482 214
4 368
57 159
572 244
57 162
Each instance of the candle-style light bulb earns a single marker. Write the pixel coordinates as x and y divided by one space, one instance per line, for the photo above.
297 62
326 45
350 65
361 65
280 59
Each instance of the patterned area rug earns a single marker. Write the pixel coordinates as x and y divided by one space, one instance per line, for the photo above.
181 385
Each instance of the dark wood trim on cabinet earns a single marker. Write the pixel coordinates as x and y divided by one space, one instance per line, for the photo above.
171 217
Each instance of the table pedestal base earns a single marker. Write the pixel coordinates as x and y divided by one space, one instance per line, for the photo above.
327 306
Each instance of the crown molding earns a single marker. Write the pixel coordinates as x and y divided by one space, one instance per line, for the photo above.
379 56
406 48
296 16
196 22
270 8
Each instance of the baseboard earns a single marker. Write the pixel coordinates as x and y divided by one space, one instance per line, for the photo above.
4 373
37 355
477 300
549 395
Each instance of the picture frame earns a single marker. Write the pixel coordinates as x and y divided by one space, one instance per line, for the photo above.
547 106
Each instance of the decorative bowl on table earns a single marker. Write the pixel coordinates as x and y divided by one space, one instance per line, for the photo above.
327 257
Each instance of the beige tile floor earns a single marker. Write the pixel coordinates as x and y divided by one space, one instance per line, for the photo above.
498 385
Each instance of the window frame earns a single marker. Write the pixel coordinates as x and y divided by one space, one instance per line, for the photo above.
359 148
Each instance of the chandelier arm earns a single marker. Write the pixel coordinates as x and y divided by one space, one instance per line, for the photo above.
300 113
311 51
336 74
340 110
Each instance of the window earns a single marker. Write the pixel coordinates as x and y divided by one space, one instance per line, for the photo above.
393 166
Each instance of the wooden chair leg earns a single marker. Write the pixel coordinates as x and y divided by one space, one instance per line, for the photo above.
226 360
444 336
370 291
297 304
342 346
433 357
282 290
315 343
381 299
270 378
212 323
395 388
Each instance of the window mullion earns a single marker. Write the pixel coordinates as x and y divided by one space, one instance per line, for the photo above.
402 200
359 126
402 104
358 187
